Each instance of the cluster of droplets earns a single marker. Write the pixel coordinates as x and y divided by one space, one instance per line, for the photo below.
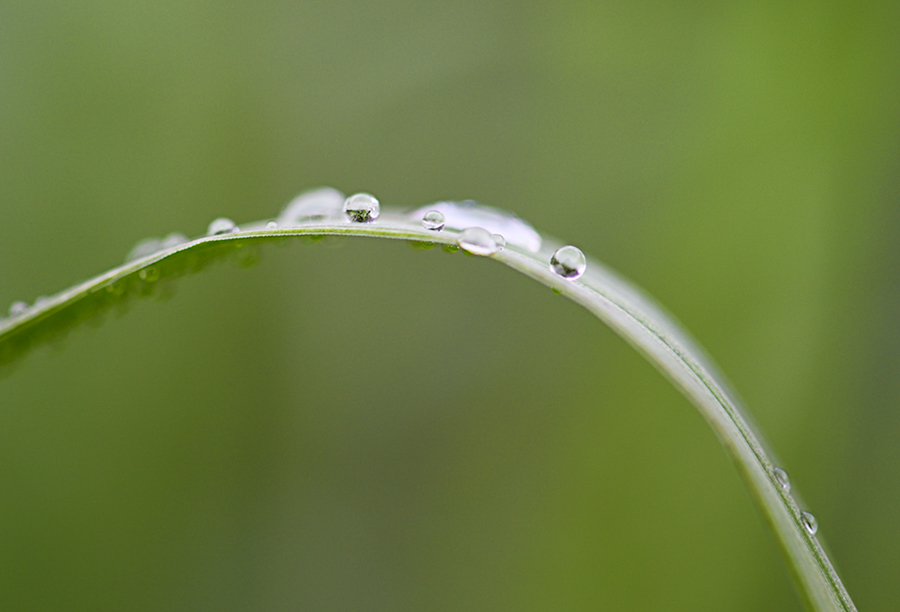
784 482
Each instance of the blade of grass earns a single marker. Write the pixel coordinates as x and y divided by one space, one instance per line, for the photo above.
623 307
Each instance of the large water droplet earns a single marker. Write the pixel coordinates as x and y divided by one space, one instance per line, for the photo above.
809 522
478 241
362 208
569 262
433 220
460 215
313 206
783 480
220 226
18 308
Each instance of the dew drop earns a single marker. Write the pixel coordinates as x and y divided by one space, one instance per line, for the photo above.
477 241
433 220
149 275
460 215
272 225
500 240
362 208
809 522
145 247
569 262
783 480
312 207
557 291
220 226
173 240
18 308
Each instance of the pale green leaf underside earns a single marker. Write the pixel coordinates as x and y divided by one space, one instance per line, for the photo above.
631 313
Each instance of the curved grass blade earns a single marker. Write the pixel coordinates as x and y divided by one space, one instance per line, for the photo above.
627 310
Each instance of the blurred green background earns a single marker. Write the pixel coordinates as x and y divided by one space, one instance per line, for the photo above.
355 425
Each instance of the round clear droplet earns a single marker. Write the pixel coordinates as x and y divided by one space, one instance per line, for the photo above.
569 262
478 241
18 308
809 522
500 241
272 225
362 208
149 275
433 220
220 226
783 480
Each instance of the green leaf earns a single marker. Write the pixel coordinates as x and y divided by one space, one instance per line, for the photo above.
613 300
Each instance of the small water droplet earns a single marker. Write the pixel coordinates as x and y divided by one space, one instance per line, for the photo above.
809 522
477 241
149 275
557 290
500 240
460 215
433 220
783 480
569 262
18 308
362 208
451 248
272 225
312 207
220 226
145 247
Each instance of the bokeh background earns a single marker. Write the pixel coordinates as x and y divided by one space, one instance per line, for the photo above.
355 425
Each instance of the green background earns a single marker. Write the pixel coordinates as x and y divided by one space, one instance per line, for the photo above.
354 425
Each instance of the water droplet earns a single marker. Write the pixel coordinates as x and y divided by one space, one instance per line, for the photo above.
569 262
18 308
145 247
460 215
477 241
809 522
272 225
173 240
783 480
312 207
557 290
362 208
149 275
500 240
221 226
433 220
451 248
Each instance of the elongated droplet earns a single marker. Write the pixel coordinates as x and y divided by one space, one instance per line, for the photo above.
362 208
460 215
272 225
478 241
569 262
222 225
18 308
433 220
809 522
500 240
314 206
173 240
783 480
